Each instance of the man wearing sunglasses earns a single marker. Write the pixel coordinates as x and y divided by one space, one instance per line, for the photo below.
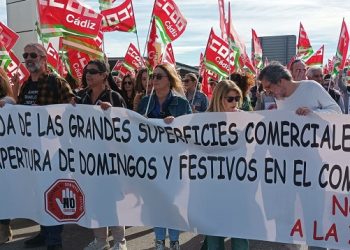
41 88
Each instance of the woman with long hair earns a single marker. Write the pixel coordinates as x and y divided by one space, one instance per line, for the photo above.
167 102
128 90
98 92
227 97
143 86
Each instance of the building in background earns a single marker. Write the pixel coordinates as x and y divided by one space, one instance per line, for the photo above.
278 48
21 18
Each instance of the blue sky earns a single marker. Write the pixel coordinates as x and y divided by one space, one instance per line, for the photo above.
321 19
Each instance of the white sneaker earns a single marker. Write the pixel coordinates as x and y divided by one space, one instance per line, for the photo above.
160 245
119 246
174 245
98 245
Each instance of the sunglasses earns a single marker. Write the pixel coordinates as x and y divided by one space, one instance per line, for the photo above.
33 55
128 82
233 98
158 76
92 71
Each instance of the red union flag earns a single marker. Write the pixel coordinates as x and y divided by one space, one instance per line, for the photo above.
317 58
218 56
257 51
304 48
85 45
69 17
117 66
342 49
153 47
77 61
133 59
120 18
169 20
7 36
54 61
169 55
17 67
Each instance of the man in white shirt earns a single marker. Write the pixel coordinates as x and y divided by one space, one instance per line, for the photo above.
303 97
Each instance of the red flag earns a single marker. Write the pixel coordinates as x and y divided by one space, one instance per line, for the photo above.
54 61
117 66
86 45
169 20
77 61
120 18
237 45
133 59
68 18
342 49
16 67
222 19
317 58
304 48
257 51
218 56
7 36
169 55
153 47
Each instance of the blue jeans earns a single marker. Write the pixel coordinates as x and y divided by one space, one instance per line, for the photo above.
52 234
218 243
160 233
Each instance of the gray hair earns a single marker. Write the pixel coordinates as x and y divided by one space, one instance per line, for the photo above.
38 47
312 70
274 72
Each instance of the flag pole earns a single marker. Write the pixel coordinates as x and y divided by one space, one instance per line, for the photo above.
149 29
228 31
137 36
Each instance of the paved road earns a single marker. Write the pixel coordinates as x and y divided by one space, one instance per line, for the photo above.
138 238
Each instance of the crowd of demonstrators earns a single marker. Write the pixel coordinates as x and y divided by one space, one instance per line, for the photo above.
315 73
6 97
197 99
128 90
41 89
143 86
227 97
98 92
166 102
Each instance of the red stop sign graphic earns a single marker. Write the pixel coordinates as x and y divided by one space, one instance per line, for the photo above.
65 201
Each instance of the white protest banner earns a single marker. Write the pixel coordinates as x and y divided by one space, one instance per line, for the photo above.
266 175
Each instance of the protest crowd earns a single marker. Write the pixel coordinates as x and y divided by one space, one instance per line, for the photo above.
153 87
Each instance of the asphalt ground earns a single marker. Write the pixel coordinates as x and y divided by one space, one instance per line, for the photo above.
138 238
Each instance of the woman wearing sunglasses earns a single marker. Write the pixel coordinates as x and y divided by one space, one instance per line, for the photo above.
227 97
167 101
143 86
128 90
98 92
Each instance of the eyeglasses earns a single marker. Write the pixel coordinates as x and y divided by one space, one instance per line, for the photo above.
92 71
128 82
158 76
233 98
32 55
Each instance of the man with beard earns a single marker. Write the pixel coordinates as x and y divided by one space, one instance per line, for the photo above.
41 88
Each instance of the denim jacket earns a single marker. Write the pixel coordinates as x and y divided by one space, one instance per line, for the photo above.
178 105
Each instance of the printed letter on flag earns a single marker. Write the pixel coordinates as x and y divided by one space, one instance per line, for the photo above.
133 59
7 36
342 49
